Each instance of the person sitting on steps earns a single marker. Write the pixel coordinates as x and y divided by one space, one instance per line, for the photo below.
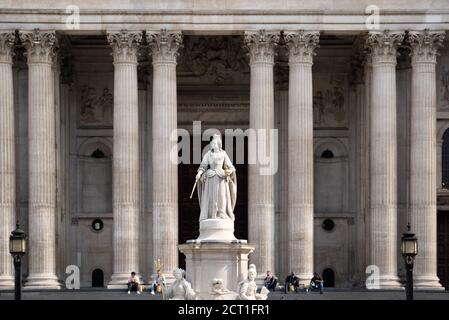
133 283
270 281
158 284
316 283
291 283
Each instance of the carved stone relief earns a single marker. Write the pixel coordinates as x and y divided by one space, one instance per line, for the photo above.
214 60
96 107
329 100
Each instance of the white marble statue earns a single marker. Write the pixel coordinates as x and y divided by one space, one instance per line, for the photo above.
248 287
220 292
181 288
217 183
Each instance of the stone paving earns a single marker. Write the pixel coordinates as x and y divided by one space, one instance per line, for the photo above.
92 294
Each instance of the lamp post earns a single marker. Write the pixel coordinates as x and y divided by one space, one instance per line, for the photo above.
17 248
409 249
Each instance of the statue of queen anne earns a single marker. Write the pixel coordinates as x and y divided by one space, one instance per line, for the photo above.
217 183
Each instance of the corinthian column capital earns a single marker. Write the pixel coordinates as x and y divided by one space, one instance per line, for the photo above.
40 45
425 45
7 39
164 45
124 45
260 45
383 45
301 45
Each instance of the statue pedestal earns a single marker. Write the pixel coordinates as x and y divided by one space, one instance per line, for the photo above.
216 230
208 260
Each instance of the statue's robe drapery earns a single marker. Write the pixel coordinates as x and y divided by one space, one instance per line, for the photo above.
217 192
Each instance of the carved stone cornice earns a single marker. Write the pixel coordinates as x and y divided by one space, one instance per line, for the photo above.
301 45
40 45
425 45
125 45
212 106
260 45
7 40
164 45
383 45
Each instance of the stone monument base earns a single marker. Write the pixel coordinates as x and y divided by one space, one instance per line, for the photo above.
206 261
216 230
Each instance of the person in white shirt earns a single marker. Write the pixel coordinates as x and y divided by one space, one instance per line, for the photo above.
133 283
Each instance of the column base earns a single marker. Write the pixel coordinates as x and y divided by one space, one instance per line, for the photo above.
119 281
42 282
427 283
6 283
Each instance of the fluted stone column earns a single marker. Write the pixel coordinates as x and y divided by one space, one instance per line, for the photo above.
40 47
7 158
125 165
281 107
368 73
164 47
261 121
301 46
383 156
423 211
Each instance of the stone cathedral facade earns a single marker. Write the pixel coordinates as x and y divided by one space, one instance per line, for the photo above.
87 113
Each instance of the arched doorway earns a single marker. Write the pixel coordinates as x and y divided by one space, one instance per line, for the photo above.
329 277
97 278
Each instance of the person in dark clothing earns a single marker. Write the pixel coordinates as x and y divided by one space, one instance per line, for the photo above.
291 281
316 283
270 281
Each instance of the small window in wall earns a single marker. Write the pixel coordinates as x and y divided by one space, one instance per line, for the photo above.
328 224
327 154
98 154
445 160
97 278
329 277
97 225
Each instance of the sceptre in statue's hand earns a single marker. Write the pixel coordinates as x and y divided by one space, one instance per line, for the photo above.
193 189
198 176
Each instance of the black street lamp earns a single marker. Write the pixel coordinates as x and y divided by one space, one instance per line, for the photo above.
409 249
17 248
